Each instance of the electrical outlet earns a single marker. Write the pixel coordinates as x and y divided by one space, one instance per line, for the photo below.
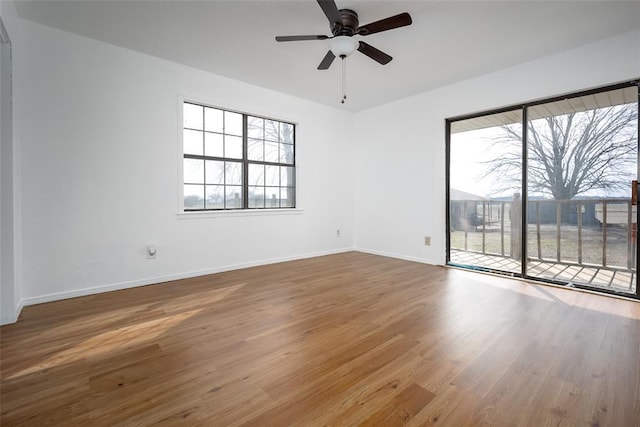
338 232
427 240
152 252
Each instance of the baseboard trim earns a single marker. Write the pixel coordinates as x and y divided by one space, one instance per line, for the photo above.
13 316
19 308
163 279
397 256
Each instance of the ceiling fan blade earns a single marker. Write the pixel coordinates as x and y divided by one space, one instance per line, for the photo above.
375 54
390 23
326 61
298 38
331 10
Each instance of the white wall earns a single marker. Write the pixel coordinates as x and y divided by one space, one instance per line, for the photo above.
400 147
100 156
9 240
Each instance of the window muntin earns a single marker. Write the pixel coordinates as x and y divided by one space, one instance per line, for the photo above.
236 161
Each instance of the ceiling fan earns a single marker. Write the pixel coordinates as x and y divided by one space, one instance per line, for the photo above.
344 25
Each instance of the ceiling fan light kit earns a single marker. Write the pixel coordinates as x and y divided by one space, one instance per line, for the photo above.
342 46
344 25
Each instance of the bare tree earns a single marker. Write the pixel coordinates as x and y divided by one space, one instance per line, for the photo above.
571 154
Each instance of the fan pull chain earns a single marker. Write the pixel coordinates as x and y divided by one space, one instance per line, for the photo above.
344 78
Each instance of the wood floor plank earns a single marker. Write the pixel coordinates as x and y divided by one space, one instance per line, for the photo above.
401 408
451 406
345 339
373 392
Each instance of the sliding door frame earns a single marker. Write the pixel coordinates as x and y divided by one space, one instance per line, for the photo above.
524 107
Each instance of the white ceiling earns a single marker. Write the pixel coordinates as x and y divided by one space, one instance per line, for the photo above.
449 41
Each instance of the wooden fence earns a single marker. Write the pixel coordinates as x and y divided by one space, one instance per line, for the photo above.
491 216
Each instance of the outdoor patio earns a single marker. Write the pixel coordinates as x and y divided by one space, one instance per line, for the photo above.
615 279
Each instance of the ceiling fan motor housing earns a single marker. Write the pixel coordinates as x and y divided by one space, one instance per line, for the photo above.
349 25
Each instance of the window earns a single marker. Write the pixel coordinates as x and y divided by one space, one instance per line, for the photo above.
236 161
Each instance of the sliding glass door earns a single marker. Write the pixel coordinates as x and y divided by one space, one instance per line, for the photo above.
554 202
485 203
582 158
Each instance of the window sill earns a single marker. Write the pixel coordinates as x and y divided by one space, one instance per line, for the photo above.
239 213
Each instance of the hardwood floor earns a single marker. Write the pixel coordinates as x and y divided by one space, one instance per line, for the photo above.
348 339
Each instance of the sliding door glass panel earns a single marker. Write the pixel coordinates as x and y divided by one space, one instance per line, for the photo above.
485 187
582 158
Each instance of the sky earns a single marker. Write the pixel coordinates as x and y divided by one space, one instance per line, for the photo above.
468 151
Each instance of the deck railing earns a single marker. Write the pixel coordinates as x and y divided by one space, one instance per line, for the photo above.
564 227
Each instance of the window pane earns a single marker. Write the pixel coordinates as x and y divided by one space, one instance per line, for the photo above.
287 197
256 197
272 194
213 145
233 123
193 171
582 159
256 127
233 198
256 150
256 174
192 140
215 172
271 130
213 121
286 133
286 154
233 147
215 197
287 176
233 173
193 196
192 116
271 152
272 176
485 206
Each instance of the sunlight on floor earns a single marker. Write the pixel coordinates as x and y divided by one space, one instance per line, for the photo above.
604 304
110 341
206 297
